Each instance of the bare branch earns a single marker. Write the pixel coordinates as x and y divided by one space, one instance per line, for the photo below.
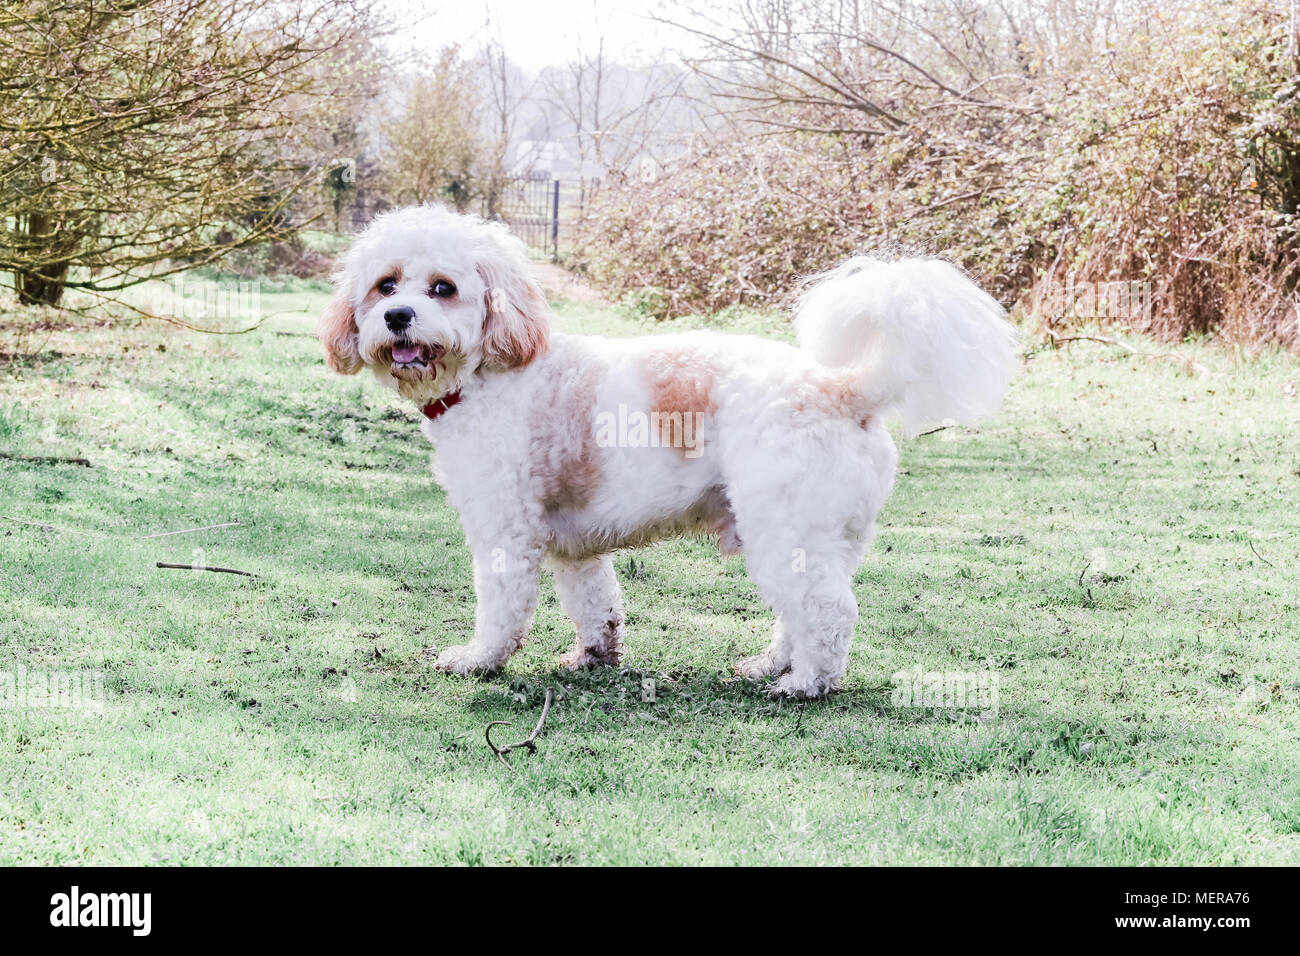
528 742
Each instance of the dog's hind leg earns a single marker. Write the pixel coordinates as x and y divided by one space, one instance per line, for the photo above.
821 630
589 593
815 610
805 505
803 567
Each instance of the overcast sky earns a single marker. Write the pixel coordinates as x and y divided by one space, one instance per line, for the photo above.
537 33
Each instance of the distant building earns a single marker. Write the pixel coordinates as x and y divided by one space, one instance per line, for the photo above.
553 160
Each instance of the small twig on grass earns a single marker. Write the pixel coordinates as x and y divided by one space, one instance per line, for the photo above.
1057 339
207 527
528 742
1257 554
932 431
47 459
191 567
1085 587
43 526
797 724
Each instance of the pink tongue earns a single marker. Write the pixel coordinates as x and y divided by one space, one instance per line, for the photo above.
406 353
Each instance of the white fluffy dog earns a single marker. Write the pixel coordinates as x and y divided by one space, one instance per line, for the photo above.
559 449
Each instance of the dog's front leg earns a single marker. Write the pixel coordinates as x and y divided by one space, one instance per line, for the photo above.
589 594
505 584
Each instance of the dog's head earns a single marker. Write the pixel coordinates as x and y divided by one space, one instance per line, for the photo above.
427 297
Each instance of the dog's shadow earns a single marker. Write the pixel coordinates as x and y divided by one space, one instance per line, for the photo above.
861 725
685 693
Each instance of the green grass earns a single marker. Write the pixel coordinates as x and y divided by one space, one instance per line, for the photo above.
1118 549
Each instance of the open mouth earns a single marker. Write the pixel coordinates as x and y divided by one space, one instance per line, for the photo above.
415 355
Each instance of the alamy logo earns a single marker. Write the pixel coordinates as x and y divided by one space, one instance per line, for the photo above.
946 690
103 909
1120 299
636 429
80 691
199 300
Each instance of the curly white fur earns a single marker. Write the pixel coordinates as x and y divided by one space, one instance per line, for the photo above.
563 449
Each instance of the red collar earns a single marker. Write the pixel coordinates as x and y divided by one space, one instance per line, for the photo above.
439 405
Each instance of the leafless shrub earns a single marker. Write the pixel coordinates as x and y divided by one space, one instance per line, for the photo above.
142 137
1037 143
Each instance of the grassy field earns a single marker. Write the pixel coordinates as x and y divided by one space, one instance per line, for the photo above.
1118 552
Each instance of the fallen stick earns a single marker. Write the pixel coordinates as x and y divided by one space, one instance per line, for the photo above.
1058 339
44 527
1101 339
1257 554
528 741
207 527
48 459
191 567
797 724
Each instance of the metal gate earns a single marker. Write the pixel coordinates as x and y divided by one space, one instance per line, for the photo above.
530 206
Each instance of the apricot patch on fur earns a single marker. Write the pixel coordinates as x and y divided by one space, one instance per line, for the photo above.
681 395
565 454
833 392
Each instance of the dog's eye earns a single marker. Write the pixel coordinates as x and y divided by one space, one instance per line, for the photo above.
442 289
387 286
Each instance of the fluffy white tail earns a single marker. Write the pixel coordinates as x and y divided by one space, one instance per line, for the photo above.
931 345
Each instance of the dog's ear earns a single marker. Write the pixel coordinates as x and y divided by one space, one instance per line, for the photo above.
337 331
516 318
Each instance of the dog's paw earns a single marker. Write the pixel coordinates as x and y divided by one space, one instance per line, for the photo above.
803 686
581 658
764 665
465 660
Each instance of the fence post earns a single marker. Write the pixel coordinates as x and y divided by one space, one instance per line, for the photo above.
555 221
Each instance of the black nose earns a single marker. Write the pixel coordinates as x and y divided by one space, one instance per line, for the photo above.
399 317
